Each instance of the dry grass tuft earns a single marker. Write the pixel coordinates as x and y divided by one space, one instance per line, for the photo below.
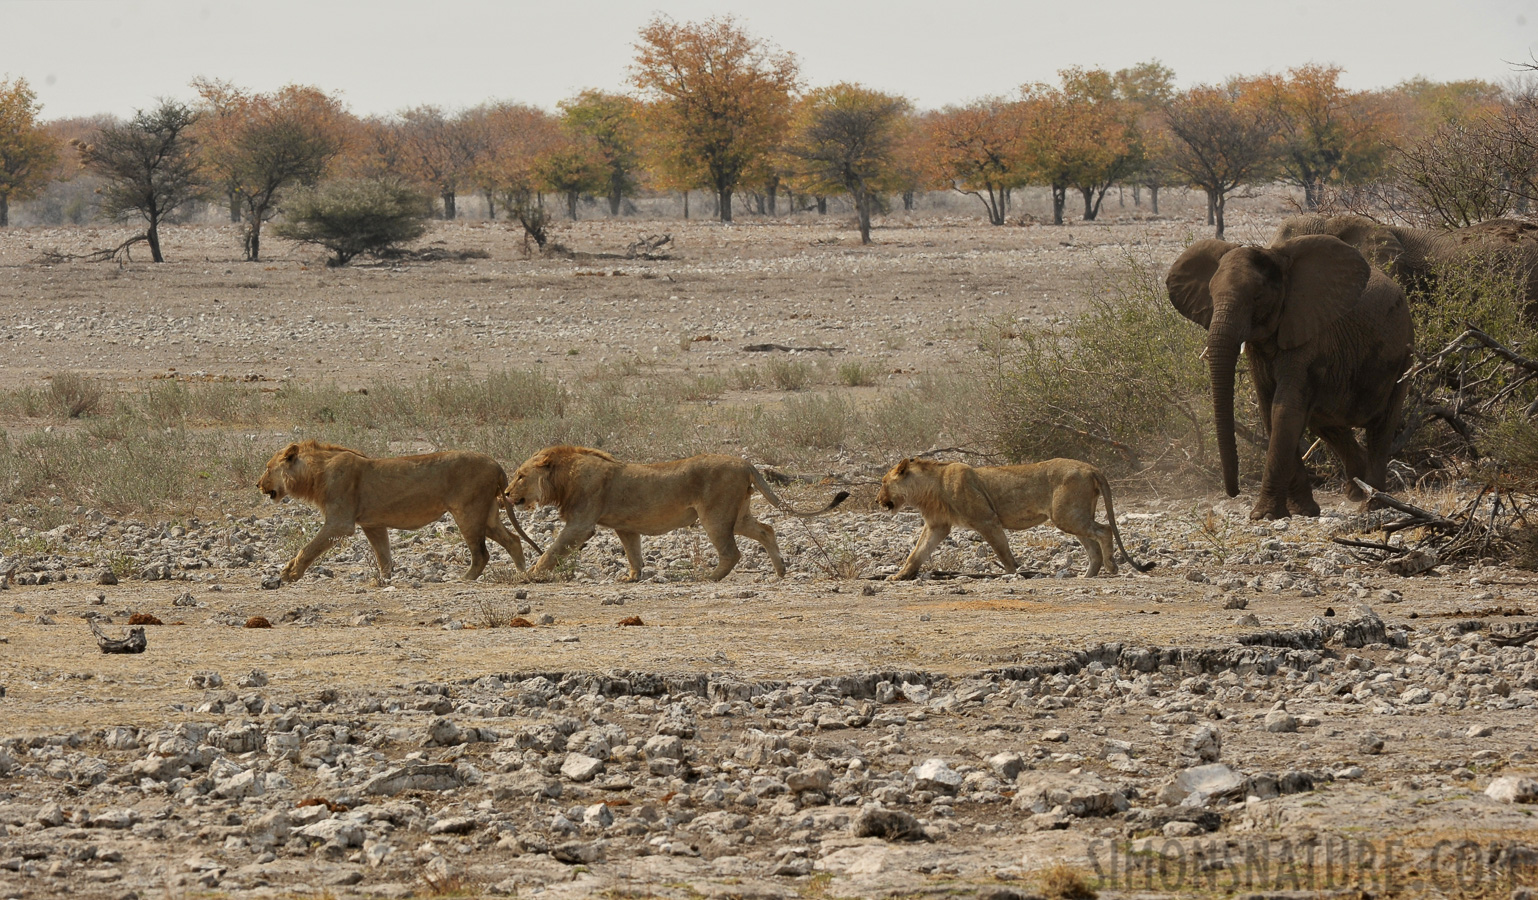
1065 882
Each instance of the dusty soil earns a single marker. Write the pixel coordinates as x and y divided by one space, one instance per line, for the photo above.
1259 705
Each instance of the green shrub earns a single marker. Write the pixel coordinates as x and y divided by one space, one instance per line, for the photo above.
355 215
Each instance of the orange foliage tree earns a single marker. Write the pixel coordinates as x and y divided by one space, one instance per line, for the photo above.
1082 135
28 153
980 150
1221 138
846 137
258 145
719 99
1328 135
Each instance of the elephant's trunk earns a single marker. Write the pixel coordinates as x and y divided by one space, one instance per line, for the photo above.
1223 339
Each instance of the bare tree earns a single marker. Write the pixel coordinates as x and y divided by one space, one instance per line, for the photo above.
150 166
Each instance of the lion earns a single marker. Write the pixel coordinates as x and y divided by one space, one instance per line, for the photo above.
990 499
356 491
589 488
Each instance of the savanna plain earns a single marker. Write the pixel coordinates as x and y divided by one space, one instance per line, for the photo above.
1266 712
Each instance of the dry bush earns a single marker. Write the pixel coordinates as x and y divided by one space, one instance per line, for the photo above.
855 373
1122 386
789 374
1064 882
75 395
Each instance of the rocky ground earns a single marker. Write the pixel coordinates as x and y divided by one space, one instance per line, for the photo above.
1262 713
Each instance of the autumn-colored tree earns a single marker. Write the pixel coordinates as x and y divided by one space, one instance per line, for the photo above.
1328 135
151 166
980 150
442 150
259 145
845 137
610 123
720 98
1148 88
1092 133
1222 138
28 153
376 148
521 139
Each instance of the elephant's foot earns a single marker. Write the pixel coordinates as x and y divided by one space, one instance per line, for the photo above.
1303 505
1271 508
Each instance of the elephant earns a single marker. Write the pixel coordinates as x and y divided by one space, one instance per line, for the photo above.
1328 338
1412 255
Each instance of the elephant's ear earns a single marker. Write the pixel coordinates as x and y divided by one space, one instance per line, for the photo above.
1188 277
1325 279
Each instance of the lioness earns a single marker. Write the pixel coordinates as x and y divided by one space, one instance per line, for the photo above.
590 488
357 491
990 499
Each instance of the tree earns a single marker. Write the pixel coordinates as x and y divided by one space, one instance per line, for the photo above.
28 153
355 215
1328 135
150 166
1085 136
980 150
259 145
571 168
609 121
1222 139
442 150
847 136
522 138
720 97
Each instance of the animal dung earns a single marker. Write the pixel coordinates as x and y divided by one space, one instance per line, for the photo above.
258 622
144 619
631 620
520 622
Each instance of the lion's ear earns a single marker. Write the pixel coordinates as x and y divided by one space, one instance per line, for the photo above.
290 452
902 467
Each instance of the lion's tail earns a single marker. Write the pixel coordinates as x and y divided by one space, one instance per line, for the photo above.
512 514
1110 513
772 497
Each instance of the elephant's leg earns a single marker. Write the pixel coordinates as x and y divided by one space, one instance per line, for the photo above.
1380 438
1352 459
1288 416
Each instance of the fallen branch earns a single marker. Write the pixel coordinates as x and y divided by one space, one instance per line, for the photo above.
1427 517
768 348
132 642
1370 545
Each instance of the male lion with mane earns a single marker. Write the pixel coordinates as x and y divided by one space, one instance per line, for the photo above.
355 491
990 499
589 488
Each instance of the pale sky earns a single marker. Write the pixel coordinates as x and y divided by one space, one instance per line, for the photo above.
114 56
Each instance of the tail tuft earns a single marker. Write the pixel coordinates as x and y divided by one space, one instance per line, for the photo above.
838 498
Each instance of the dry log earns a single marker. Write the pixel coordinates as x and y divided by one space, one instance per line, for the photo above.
132 642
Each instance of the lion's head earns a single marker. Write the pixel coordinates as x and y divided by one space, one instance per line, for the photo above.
276 481
912 482
893 494
542 479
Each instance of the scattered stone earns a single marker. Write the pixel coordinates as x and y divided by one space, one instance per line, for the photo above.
935 775
1513 789
1078 795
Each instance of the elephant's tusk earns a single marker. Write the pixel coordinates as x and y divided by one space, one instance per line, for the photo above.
1203 354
